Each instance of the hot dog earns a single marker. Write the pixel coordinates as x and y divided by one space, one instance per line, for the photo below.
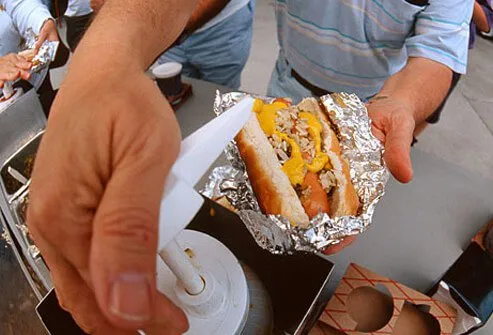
316 201
294 162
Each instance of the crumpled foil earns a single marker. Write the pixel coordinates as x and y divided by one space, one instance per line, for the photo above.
30 39
274 233
6 237
45 54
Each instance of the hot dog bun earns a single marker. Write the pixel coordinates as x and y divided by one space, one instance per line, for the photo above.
272 186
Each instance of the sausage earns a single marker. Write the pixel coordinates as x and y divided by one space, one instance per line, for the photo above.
285 101
317 201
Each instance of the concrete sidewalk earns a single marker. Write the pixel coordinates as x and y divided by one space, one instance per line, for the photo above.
464 135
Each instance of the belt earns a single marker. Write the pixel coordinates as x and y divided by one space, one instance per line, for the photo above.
317 91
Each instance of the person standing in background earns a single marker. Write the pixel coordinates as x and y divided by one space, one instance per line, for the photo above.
216 48
77 17
482 20
76 14
216 42
398 56
16 18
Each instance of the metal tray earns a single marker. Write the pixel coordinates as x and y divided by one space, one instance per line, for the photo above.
22 124
23 162
29 252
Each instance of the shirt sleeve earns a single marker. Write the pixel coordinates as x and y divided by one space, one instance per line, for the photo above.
27 14
441 33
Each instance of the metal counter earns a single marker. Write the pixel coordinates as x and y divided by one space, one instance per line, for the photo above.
19 124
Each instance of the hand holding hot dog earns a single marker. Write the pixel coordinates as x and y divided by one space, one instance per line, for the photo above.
48 32
393 124
12 67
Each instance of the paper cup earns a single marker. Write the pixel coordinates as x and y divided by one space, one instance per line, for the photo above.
168 78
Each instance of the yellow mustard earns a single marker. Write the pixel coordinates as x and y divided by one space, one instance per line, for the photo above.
314 129
266 115
295 168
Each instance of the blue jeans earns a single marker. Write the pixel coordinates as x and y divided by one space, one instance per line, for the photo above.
283 84
219 53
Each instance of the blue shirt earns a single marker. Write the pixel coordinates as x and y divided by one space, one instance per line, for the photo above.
355 45
16 17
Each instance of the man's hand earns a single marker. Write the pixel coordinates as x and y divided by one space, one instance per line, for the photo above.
48 32
340 246
407 98
12 67
393 124
95 198
99 175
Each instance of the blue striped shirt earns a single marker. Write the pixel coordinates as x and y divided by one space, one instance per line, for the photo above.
355 45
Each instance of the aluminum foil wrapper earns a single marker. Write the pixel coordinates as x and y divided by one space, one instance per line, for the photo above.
46 52
6 237
368 174
30 39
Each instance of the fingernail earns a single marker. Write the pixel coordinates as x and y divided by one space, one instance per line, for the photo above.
182 324
130 297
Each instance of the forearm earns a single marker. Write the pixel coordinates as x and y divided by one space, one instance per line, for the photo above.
205 11
422 85
479 18
27 14
132 33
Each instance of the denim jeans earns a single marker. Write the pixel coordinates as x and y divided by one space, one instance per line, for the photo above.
219 53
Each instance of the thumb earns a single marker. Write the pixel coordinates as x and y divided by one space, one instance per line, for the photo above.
124 241
41 39
398 149
43 35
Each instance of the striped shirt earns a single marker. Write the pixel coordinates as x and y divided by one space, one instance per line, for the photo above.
355 45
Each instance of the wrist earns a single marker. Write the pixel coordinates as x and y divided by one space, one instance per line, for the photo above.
404 101
141 43
102 63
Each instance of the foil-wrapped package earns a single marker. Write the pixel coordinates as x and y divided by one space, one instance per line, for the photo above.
45 54
368 172
30 39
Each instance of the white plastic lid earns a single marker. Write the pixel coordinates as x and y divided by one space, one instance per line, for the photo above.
167 70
